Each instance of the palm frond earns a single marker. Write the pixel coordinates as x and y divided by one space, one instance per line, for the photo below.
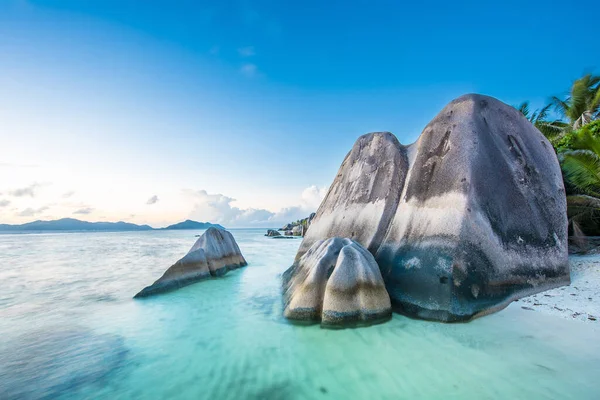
524 109
580 95
594 106
551 130
582 169
585 140
543 113
560 106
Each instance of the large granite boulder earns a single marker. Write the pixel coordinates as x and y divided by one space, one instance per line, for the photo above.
463 221
297 230
338 283
213 254
363 198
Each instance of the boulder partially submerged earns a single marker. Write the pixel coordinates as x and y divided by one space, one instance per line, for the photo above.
213 254
338 283
463 221
272 233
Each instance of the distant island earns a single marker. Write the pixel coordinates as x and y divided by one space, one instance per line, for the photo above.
71 224
189 224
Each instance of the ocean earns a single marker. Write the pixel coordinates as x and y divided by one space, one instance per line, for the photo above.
70 329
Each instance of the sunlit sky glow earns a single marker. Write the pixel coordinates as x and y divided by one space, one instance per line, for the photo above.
240 112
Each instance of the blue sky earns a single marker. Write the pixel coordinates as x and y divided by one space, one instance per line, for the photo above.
240 112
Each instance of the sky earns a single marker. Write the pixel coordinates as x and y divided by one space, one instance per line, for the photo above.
241 112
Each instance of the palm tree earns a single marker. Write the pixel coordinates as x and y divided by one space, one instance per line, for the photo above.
581 170
583 104
539 118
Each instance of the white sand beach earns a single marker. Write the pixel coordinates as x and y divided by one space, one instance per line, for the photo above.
578 301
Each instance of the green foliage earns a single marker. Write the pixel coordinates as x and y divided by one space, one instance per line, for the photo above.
576 140
579 157
583 103
568 140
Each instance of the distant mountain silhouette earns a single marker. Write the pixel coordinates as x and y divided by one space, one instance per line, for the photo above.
71 224
189 224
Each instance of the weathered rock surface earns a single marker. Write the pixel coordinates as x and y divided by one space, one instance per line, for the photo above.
462 222
287 227
301 226
213 254
338 283
363 198
272 232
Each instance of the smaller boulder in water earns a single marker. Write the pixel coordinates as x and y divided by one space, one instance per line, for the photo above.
272 233
213 254
337 282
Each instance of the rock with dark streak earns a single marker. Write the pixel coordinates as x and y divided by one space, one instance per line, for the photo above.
338 283
213 254
467 219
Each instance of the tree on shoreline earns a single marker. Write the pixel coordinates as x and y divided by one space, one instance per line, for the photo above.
575 137
582 106
580 164
539 118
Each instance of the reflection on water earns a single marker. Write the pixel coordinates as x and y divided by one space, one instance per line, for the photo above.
70 329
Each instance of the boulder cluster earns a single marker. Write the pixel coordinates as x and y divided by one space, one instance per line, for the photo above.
337 282
465 220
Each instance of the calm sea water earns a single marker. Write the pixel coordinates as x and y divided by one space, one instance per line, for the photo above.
70 329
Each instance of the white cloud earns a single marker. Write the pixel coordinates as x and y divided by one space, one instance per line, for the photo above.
30 212
68 194
218 208
152 200
249 70
247 51
84 211
4 203
26 191
312 196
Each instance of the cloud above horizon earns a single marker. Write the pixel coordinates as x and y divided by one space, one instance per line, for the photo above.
84 211
4 203
218 208
30 212
152 200
26 191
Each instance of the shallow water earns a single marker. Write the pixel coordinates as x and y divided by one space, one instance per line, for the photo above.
70 330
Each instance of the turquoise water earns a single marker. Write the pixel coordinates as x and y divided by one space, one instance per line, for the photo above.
70 330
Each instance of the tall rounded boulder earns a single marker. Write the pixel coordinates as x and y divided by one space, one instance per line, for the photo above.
482 216
362 199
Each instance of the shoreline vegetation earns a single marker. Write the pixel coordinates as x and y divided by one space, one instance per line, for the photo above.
572 126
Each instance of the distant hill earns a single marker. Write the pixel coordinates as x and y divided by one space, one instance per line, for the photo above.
71 224
189 224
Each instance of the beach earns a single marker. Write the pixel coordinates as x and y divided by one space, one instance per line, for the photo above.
578 301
